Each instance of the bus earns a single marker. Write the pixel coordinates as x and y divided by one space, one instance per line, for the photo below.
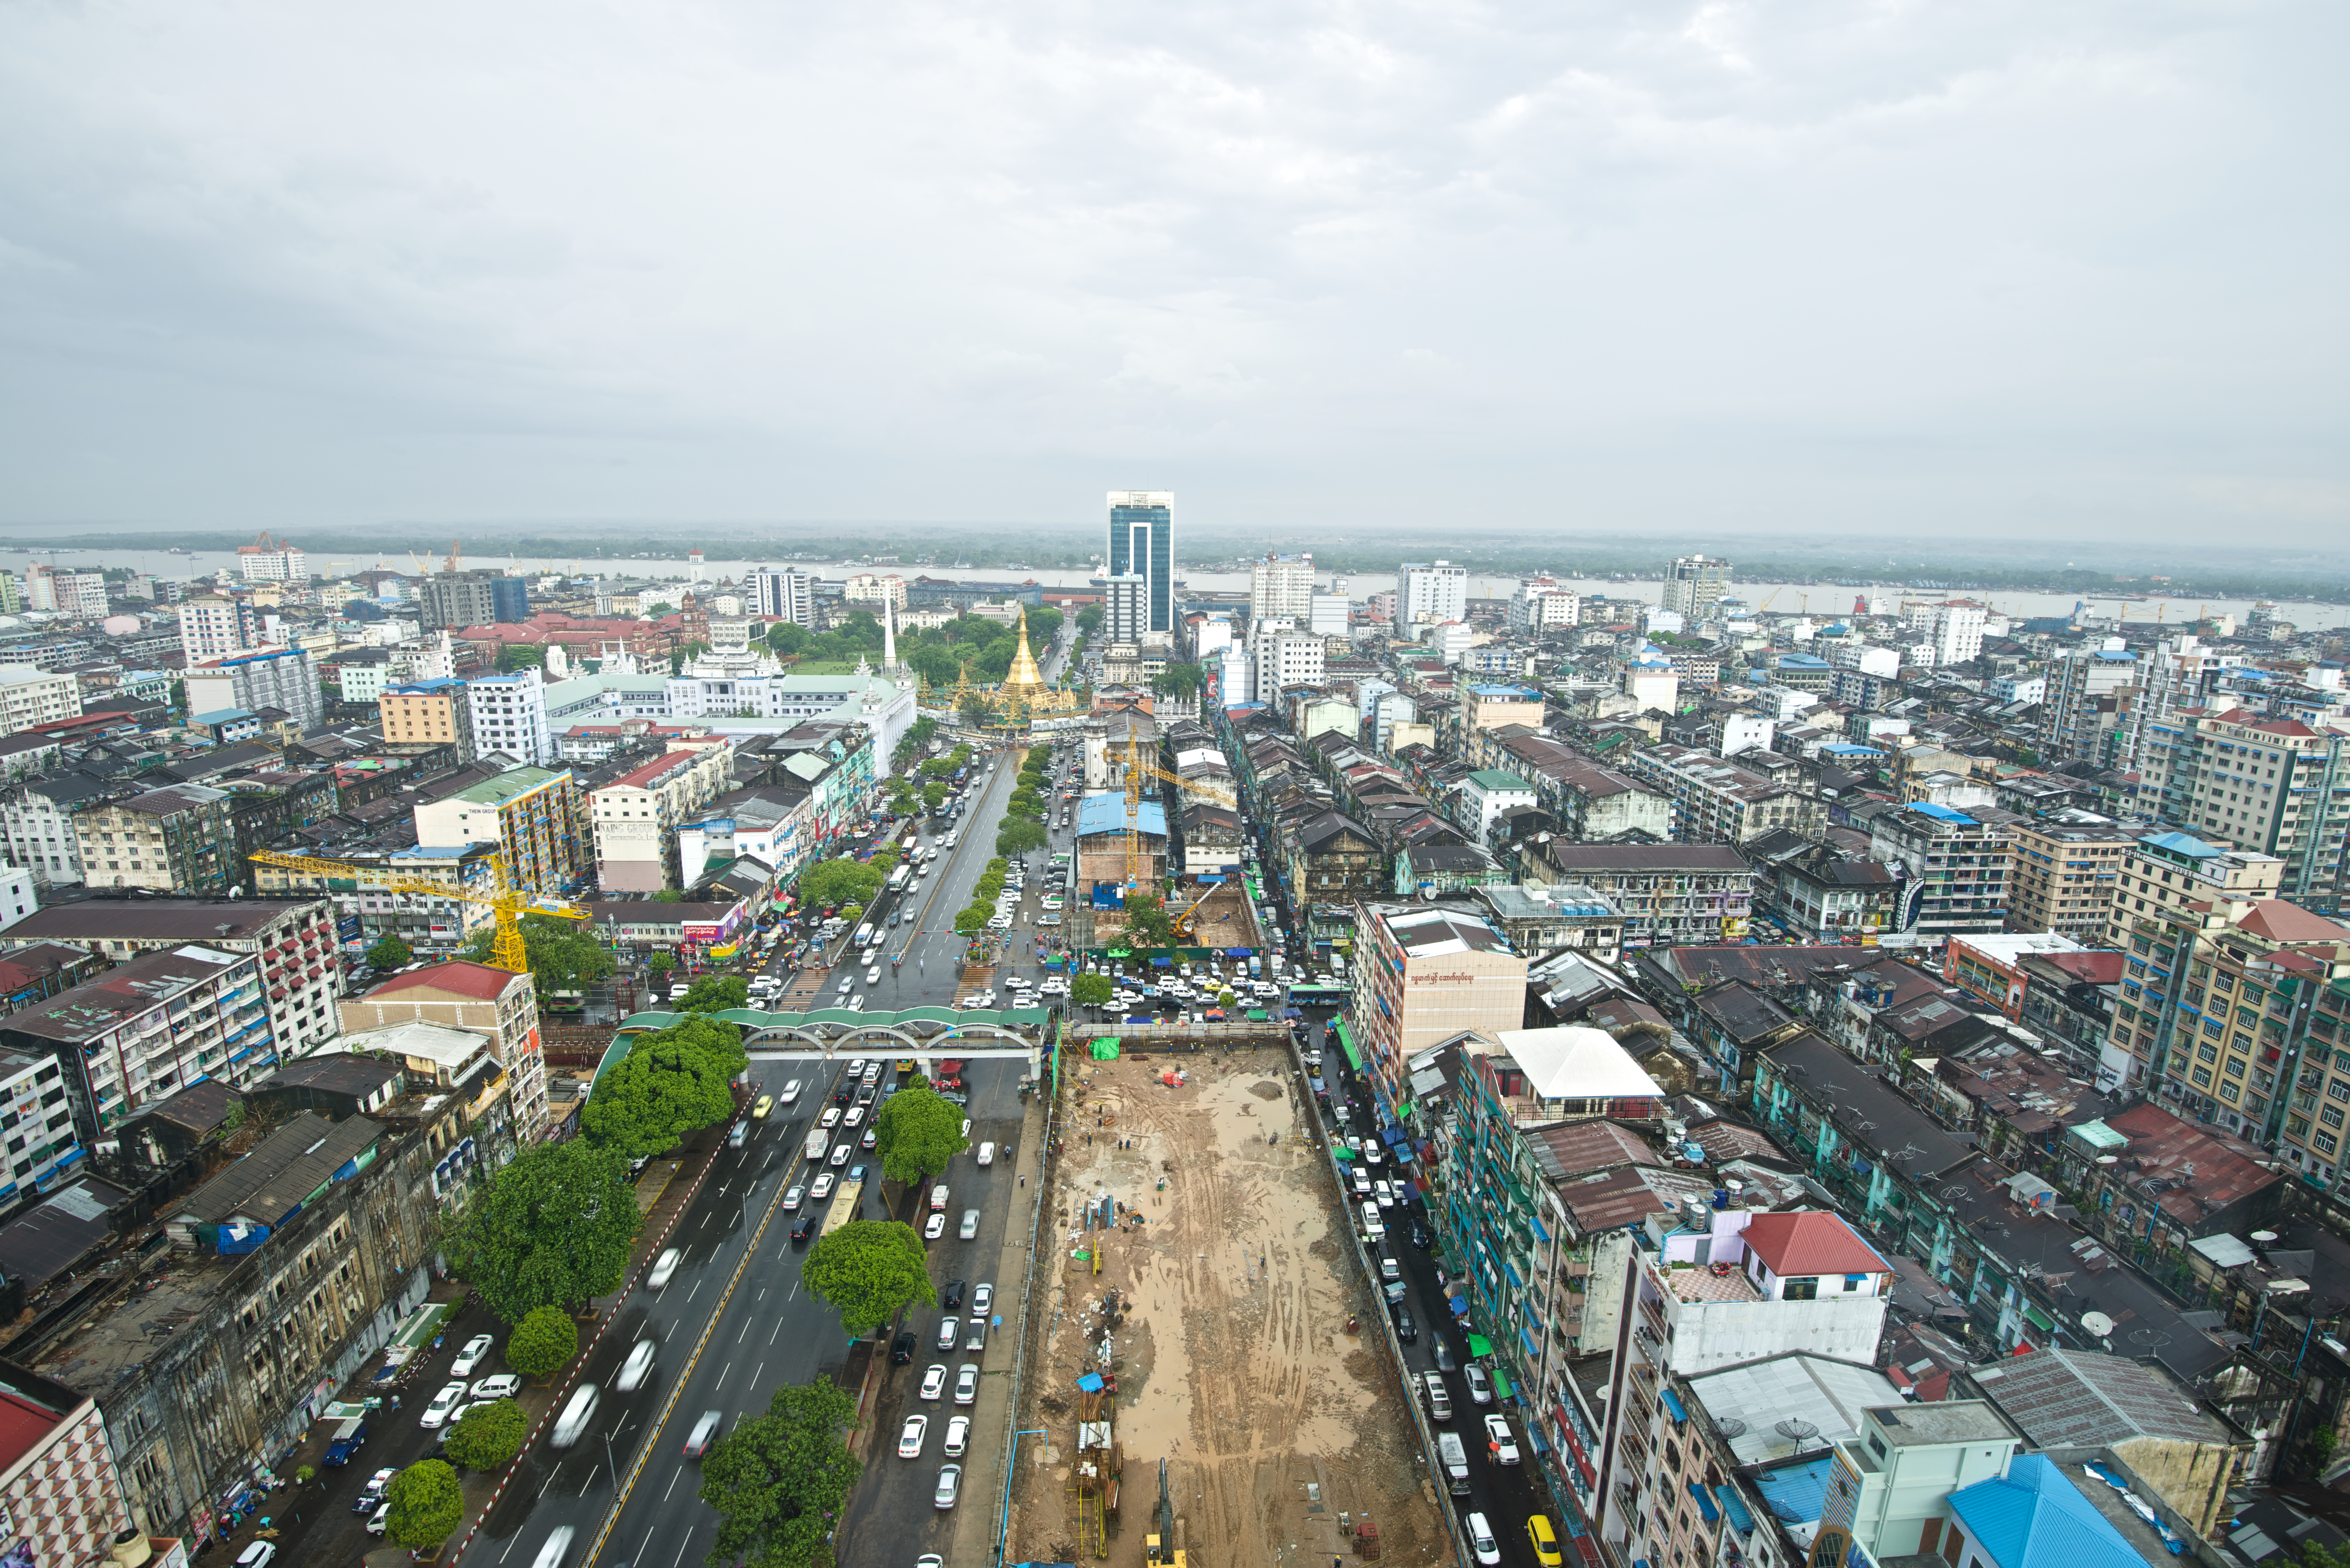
1320 995
901 877
845 1200
866 936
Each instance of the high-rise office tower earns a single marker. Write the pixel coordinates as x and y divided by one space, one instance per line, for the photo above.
1694 585
1142 541
1432 595
1126 607
783 593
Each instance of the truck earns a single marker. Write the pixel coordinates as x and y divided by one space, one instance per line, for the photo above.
1256 966
349 1435
818 1144
1454 1456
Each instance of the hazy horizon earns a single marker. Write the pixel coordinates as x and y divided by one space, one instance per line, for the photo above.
1778 269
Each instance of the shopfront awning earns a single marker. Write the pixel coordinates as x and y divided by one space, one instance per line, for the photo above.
1673 1403
1480 1345
1347 1044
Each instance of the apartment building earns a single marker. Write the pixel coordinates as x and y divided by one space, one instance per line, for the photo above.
783 594
1693 584
537 818
1956 867
280 678
43 1147
1424 974
1543 604
146 1030
1282 585
1671 895
1431 595
494 1003
434 713
509 717
1989 967
2227 1011
1283 658
2163 872
428 923
1588 801
1491 706
1816 893
177 839
293 941
2080 716
30 696
37 828
1719 801
2273 786
455 600
213 626
2065 876
1954 629
1804 1285
636 816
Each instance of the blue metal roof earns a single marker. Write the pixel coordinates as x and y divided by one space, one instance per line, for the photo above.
1939 812
2184 844
2035 1517
1107 813
1796 1493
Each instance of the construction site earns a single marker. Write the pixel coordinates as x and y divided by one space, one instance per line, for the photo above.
1192 1306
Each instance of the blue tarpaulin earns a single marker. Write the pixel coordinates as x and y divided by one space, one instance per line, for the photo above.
1673 1403
1704 1502
1090 1383
1741 1519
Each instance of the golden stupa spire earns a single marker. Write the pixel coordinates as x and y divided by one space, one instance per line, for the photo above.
1023 677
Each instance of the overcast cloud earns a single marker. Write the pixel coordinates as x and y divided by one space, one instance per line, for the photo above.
1991 264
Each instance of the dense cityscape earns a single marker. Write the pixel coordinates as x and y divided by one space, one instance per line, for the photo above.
1411 1074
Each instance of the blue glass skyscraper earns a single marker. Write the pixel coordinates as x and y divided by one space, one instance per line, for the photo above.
1142 541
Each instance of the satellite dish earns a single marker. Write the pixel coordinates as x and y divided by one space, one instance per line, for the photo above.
2109 1159
2264 1237
1801 1431
1730 1427
2097 1323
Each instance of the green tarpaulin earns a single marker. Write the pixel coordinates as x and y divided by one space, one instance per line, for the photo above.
1340 1151
1105 1050
1256 1014
1480 1345
1501 1383
1347 1044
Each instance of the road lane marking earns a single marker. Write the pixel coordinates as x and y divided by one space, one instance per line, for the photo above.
590 1480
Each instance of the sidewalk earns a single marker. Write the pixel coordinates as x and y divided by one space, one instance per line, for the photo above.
983 1476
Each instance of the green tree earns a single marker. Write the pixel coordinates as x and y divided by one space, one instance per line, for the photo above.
974 707
937 666
1089 619
787 637
390 953
489 1436
553 1227
971 919
1148 923
1019 838
938 768
916 1133
716 994
838 881
669 1085
1225 998
660 964
1090 990
1179 680
427 1506
513 658
869 1270
565 955
935 796
779 1480
669 895
544 1343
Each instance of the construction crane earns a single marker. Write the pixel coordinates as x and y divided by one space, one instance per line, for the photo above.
456 554
1137 769
1163 1547
510 902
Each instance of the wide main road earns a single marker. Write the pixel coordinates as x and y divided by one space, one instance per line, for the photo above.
734 1323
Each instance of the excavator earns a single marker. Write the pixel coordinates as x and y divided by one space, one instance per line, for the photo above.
1163 1547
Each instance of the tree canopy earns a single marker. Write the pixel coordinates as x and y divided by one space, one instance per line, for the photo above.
916 1133
1179 680
670 1083
778 1481
544 1343
391 952
1148 923
841 880
488 1437
1018 837
715 993
565 955
551 1228
1090 990
427 1506
869 1270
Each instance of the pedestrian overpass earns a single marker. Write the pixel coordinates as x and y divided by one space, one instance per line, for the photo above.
834 1033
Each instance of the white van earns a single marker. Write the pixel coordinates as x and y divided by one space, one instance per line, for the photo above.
1372 1226
570 1426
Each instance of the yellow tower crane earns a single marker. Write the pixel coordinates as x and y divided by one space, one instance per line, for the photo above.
1138 767
509 902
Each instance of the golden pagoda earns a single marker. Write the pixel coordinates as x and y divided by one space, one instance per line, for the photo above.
1024 681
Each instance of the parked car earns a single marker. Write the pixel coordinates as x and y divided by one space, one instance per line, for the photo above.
371 1495
500 1385
911 1436
949 1483
471 1354
902 1349
958 1434
449 1398
982 1299
1480 1385
1500 1442
949 1331
934 1381
934 1227
950 1298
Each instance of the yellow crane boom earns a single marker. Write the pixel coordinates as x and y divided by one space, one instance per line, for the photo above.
508 902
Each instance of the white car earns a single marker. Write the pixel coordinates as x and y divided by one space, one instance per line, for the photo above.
791 1092
950 1484
1487 1551
821 1187
855 1115
1500 1440
830 1119
1481 1386
970 1224
934 1381
842 1150
1016 984
873 975
958 1433
664 1268
982 1299
448 1399
909 1440
967 1384
503 1386
793 1198
1371 1155
1384 1193
633 1371
934 1227
474 1352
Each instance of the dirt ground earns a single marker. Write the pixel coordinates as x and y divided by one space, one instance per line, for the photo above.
1233 1361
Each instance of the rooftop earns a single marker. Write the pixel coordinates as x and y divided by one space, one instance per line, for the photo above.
141 986
2084 1398
1771 1403
283 1173
1577 1064
459 976
1795 1245
2035 1517
157 919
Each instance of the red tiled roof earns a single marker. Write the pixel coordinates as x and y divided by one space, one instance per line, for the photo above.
23 1424
460 976
2287 922
1793 1245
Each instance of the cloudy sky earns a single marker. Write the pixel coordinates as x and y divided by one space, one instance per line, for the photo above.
1993 266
